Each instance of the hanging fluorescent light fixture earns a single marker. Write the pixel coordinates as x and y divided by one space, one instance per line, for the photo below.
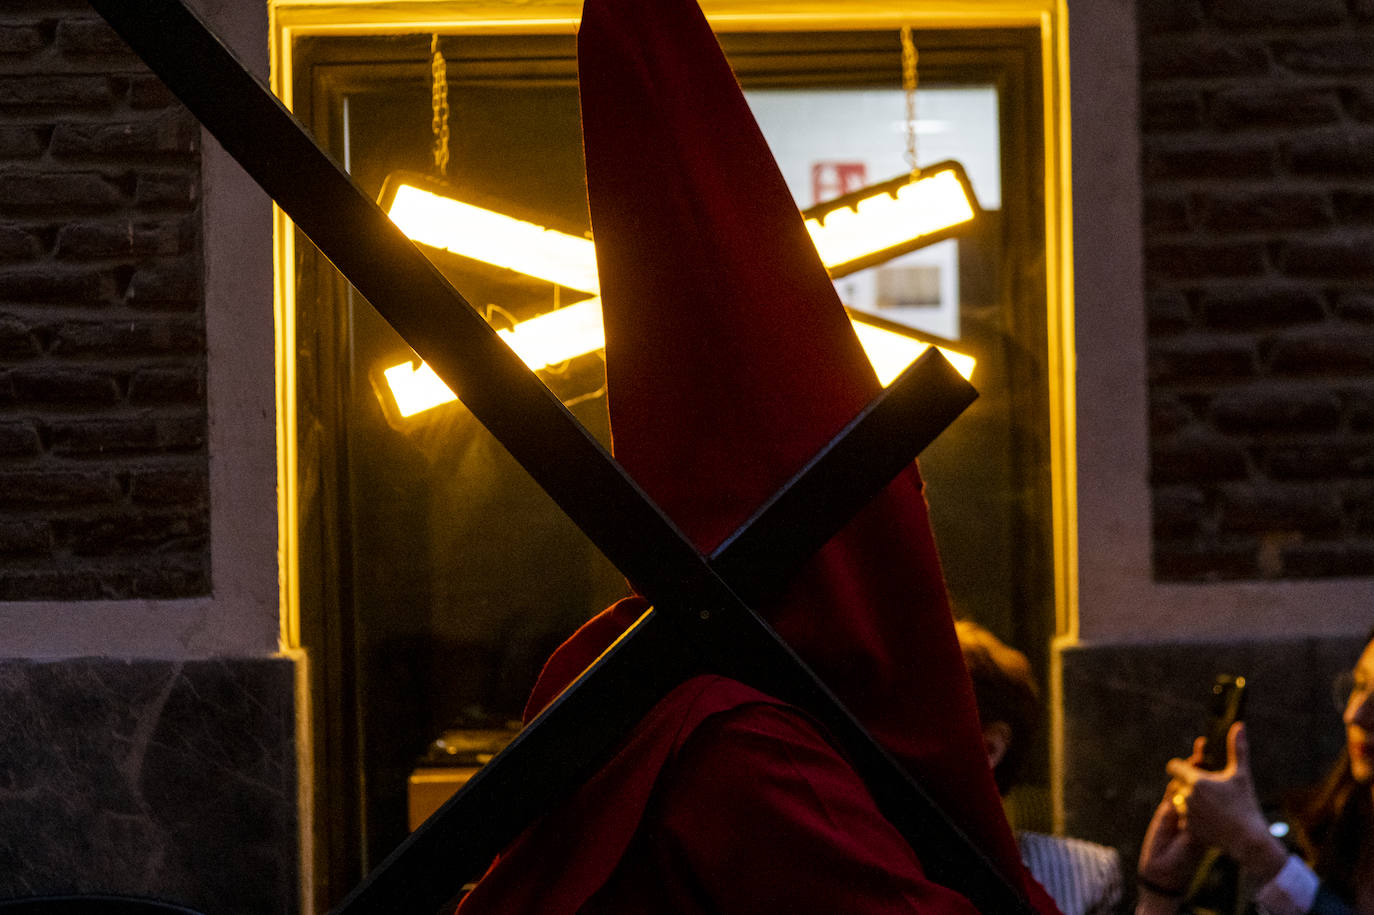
891 347
428 213
883 221
576 330
553 337
423 209
415 388
860 229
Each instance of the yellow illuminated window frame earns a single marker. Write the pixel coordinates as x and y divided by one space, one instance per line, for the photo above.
293 19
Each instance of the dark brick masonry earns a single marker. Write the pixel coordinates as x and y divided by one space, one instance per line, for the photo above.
1257 121
103 458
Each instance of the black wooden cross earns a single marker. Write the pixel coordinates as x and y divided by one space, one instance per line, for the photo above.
701 619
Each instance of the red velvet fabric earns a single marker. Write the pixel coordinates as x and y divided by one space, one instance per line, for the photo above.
726 755
730 362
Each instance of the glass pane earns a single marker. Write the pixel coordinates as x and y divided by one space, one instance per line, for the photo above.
459 573
831 142
445 525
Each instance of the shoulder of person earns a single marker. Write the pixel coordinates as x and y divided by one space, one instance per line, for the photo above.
1083 877
1033 843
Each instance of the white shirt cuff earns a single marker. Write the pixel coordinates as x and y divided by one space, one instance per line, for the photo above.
1291 892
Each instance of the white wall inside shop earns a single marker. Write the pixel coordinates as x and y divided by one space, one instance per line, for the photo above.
829 142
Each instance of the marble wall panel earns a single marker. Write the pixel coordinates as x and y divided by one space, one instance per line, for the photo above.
169 779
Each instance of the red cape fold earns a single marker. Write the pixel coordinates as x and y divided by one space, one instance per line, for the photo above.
658 828
730 363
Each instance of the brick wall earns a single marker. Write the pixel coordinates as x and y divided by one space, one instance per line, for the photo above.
1258 163
103 463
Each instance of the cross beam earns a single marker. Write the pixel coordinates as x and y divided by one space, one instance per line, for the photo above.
705 627
701 619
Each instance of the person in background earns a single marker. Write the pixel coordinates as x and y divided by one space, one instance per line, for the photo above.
1333 871
1083 878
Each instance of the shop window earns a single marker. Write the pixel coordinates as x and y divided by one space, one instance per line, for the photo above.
435 576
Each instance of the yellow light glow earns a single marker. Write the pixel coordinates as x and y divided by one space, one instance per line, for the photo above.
576 330
494 238
559 335
933 203
553 337
891 352
416 389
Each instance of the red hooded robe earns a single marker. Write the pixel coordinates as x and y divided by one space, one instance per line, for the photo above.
729 363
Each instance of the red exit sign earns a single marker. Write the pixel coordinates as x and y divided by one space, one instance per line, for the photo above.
830 179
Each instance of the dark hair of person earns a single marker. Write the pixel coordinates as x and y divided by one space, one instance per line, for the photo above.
1333 823
1332 827
1005 691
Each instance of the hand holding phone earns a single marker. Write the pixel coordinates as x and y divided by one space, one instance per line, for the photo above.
1215 886
1225 708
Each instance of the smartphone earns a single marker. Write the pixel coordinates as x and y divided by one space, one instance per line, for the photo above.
1225 707
1215 887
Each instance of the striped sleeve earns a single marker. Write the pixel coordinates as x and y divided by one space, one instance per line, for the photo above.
1083 878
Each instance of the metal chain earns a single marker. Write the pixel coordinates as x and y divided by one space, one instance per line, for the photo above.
909 80
439 96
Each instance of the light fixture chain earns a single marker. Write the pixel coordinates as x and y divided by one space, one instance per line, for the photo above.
909 82
439 101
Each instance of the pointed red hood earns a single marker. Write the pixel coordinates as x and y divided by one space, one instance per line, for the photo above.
730 362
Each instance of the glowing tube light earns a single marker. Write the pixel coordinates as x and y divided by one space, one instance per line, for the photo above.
892 351
553 337
866 227
576 330
559 335
416 389
494 238
880 222
852 232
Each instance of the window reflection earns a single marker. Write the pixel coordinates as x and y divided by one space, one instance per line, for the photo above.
456 575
